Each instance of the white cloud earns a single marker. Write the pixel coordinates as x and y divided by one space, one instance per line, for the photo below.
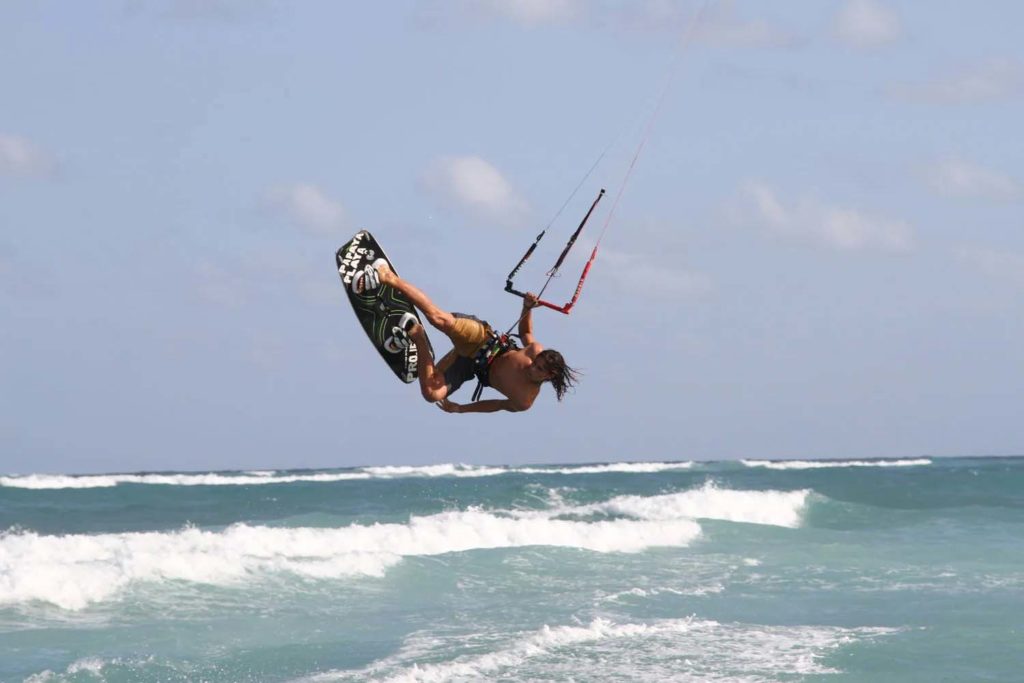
867 23
526 13
810 221
533 12
959 178
637 272
309 208
472 185
1007 266
717 25
992 80
722 27
20 157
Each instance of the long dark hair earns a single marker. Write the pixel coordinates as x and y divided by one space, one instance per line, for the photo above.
563 377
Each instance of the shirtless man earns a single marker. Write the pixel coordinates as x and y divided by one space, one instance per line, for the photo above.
516 373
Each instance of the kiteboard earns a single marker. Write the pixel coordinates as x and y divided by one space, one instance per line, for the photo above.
383 312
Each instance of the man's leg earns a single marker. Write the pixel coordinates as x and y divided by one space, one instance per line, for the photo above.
439 318
432 382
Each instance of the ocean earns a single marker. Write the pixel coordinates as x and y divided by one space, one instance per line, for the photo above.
753 570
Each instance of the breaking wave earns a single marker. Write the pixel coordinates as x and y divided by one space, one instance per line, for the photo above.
775 508
74 571
822 464
442 470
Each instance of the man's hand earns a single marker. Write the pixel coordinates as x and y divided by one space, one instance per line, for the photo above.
449 406
526 319
488 406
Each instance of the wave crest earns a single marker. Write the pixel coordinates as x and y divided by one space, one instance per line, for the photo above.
774 508
77 570
822 464
263 477
91 481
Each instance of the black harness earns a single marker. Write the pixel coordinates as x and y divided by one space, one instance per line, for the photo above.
497 345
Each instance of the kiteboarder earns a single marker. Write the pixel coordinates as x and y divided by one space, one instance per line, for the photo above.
495 360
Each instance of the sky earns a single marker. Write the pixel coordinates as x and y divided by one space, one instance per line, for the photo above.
820 251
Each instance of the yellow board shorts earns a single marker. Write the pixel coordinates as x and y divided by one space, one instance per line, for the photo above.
468 334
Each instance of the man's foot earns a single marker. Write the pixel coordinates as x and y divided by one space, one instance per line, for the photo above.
417 334
384 272
401 334
371 277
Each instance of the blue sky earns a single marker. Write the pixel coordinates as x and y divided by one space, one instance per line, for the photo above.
819 254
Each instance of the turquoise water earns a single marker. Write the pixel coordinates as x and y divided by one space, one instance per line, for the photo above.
909 570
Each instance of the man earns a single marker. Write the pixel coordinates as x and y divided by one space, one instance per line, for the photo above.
478 352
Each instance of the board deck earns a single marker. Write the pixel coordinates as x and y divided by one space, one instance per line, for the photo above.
381 310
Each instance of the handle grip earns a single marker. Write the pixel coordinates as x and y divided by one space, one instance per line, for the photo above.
540 302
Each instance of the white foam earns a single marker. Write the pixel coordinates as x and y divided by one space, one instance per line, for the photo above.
687 649
775 508
88 481
91 666
821 464
696 591
74 571
624 467
440 470
256 477
535 645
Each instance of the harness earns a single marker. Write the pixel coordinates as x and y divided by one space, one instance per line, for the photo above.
497 345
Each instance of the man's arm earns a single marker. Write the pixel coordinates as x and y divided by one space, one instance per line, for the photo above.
488 406
526 320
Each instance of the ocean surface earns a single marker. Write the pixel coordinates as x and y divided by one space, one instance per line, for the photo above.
864 570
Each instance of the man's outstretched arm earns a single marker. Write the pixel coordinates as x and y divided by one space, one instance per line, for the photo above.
488 406
526 320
